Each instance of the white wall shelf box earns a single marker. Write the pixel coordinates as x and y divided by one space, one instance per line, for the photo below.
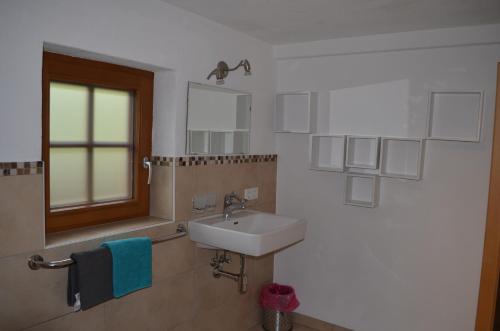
361 171
361 190
221 142
295 112
362 152
401 157
199 141
241 142
327 152
455 115
229 142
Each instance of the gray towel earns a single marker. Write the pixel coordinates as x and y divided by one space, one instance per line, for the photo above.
92 277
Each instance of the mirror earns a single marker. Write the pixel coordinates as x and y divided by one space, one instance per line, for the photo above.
218 120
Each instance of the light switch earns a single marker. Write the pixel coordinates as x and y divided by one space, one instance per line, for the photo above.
205 201
199 203
252 193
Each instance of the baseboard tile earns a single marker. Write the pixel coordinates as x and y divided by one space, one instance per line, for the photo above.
316 324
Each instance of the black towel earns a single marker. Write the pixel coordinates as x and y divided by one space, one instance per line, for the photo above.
92 276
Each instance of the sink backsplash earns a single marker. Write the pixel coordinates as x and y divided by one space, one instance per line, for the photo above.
197 175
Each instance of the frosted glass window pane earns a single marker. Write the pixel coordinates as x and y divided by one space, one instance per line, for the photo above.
112 115
68 176
112 174
68 112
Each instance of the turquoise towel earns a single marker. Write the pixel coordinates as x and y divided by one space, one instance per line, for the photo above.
132 266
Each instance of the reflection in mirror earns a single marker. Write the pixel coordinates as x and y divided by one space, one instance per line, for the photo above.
218 120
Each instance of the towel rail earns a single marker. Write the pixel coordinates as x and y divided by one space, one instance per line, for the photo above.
36 262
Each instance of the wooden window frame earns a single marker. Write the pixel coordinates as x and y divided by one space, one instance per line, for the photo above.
90 145
73 70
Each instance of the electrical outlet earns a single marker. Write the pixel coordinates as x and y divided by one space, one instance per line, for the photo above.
251 193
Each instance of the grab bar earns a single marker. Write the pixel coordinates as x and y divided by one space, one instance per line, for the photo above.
36 262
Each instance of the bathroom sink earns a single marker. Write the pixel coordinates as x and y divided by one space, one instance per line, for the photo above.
247 232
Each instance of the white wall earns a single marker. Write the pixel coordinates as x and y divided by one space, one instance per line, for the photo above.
413 263
179 45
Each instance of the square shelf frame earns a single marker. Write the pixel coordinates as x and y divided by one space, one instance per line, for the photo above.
243 137
192 141
332 144
280 112
477 127
350 158
368 183
222 148
416 160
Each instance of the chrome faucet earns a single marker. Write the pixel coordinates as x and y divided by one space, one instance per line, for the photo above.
232 202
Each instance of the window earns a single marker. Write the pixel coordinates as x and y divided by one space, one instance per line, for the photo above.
96 131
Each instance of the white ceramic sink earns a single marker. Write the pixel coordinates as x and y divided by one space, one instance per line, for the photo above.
247 232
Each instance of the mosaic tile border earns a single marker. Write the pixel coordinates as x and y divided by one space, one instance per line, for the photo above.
189 161
36 167
21 168
201 160
163 161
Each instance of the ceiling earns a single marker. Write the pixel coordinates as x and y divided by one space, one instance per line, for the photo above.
291 21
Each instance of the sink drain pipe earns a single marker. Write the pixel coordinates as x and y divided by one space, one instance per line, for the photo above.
218 264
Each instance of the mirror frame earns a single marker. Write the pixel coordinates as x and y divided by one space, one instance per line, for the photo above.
190 84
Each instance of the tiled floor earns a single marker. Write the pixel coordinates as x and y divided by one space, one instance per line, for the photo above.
295 328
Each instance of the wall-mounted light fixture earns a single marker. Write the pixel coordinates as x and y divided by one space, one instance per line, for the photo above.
223 70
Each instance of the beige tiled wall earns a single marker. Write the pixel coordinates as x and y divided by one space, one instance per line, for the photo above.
218 305
222 179
184 295
161 192
21 214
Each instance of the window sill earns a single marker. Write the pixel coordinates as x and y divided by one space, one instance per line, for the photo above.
64 238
